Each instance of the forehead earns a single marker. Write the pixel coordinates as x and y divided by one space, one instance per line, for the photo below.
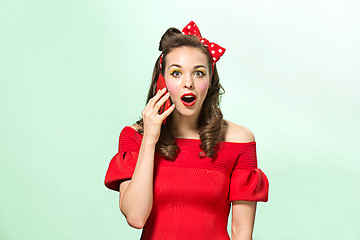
186 56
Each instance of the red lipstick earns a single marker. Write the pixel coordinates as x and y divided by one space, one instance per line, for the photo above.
188 99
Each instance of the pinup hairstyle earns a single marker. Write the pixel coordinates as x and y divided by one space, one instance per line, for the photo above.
210 120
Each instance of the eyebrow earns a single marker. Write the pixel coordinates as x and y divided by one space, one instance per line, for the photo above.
179 66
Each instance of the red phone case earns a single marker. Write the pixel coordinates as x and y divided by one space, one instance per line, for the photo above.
160 84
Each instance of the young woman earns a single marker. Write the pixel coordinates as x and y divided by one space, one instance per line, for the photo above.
179 170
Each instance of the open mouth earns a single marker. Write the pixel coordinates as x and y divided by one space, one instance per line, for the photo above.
188 99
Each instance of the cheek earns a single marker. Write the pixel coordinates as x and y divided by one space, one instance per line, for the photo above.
172 87
202 87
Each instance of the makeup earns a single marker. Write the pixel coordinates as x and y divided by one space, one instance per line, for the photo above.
188 99
173 71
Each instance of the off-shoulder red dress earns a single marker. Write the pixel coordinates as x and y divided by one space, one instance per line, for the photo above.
192 195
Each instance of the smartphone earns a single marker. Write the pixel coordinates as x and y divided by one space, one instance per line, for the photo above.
160 84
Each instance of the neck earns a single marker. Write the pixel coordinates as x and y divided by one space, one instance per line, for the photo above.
185 126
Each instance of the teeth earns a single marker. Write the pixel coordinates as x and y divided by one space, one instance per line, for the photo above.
188 98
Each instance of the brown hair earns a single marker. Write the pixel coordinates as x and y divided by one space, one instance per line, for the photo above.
210 120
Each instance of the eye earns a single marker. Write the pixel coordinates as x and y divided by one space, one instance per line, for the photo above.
199 73
175 73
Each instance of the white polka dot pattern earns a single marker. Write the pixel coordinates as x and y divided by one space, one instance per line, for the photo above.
215 50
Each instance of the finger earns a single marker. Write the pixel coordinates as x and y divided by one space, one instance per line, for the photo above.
151 100
168 111
161 101
157 96
146 107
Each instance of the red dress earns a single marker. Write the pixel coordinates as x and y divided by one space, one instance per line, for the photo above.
192 195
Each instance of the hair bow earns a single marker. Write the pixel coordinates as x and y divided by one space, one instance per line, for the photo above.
215 50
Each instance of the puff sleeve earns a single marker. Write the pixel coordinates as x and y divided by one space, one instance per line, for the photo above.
247 181
122 165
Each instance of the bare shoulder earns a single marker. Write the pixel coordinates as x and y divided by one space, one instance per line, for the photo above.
238 133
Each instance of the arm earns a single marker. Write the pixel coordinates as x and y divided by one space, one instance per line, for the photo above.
243 218
136 195
243 212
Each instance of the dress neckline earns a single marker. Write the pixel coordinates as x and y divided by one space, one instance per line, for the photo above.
193 139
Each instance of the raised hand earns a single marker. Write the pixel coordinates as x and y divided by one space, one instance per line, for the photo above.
151 117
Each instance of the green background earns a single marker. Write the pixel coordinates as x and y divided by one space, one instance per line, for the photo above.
74 73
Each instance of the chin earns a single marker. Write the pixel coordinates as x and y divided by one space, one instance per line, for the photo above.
186 112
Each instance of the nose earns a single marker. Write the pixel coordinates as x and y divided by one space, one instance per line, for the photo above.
189 82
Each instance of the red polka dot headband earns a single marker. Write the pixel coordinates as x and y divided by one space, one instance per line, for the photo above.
215 50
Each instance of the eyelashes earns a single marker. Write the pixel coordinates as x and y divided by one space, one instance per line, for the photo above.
202 72
175 72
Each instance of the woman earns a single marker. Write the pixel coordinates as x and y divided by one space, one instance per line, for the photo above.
178 171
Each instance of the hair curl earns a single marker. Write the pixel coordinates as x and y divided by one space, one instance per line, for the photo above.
211 125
